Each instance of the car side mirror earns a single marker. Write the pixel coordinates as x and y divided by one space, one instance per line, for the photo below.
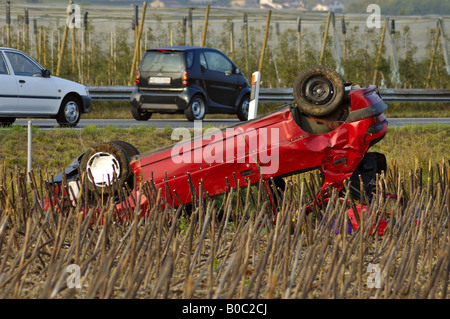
46 73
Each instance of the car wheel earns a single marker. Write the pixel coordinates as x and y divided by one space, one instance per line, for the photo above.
243 108
69 112
127 147
318 91
196 109
106 167
140 115
7 121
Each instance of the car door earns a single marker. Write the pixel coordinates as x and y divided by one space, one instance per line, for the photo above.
8 89
219 77
38 95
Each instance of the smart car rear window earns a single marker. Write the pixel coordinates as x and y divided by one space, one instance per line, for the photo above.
162 61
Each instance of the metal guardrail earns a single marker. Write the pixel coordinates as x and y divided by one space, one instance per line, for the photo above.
270 95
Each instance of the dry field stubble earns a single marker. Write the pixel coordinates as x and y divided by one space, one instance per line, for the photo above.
244 254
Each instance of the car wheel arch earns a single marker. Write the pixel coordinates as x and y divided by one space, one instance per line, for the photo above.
61 117
188 111
77 96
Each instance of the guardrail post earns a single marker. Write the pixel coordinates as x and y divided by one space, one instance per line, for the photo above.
253 106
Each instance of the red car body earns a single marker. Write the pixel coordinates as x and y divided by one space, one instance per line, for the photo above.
336 153
238 155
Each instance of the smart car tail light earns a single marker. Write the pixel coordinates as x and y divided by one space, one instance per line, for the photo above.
137 77
184 79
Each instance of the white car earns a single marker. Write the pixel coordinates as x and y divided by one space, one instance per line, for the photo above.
28 90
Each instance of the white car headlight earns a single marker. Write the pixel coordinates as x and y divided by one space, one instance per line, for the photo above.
87 91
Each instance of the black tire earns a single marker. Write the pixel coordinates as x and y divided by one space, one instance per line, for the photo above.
7 121
196 109
140 115
373 163
69 112
99 164
127 147
318 91
243 108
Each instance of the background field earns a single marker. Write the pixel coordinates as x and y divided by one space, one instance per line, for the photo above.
55 149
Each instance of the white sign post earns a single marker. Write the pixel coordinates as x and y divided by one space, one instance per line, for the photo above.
253 107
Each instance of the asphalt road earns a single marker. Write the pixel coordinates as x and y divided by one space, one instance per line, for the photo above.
162 123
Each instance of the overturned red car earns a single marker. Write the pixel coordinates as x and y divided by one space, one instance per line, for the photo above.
330 127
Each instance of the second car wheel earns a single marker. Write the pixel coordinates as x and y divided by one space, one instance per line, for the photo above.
69 112
318 91
196 109
243 108
140 115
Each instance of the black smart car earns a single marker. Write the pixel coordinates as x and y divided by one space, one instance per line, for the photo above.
192 80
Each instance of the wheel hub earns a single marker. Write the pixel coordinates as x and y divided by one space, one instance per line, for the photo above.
71 112
104 167
319 90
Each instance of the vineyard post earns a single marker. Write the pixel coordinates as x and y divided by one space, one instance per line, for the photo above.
277 34
395 74
246 40
265 41
26 30
52 40
344 35
444 46
325 35
191 36
205 27
135 21
73 51
380 51
184 30
40 44
18 40
63 44
136 46
299 41
36 40
83 46
44 49
433 55
232 40
8 24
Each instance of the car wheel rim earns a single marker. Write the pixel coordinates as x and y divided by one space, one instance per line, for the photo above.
198 108
103 167
319 90
71 112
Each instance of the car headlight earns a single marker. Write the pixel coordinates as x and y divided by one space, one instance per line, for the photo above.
87 91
